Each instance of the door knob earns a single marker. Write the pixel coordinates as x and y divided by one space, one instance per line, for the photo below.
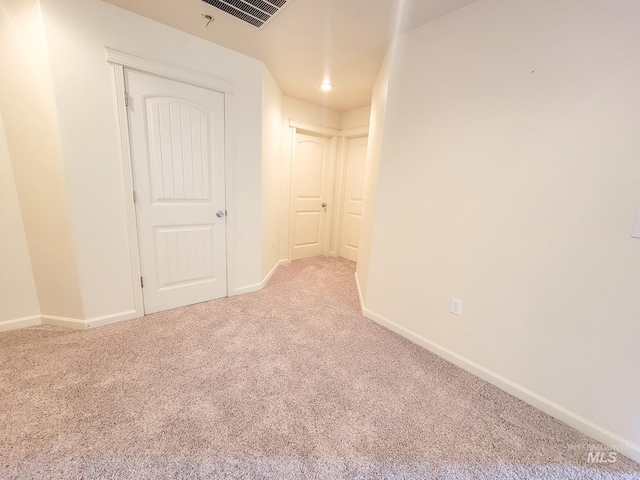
324 205
219 214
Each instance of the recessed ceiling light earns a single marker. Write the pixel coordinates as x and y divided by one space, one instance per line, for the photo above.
326 86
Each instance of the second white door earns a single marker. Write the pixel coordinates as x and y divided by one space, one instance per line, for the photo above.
310 196
177 148
353 198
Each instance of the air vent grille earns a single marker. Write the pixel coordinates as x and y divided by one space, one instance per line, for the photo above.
257 13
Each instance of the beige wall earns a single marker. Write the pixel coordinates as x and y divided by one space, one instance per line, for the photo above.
60 117
301 111
85 94
272 114
509 178
74 206
374 151
19 304
33 142
355 118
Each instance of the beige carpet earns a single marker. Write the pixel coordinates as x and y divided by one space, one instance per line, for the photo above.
290 382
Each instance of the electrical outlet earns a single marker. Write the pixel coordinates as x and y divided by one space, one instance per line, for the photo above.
456 306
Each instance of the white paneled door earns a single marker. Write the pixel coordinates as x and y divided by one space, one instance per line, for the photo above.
353 197
310 190
177 148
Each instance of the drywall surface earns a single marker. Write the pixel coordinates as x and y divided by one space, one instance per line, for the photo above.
77 33
301 111
33 146
355 118
371 178
509 179
17 287
272 101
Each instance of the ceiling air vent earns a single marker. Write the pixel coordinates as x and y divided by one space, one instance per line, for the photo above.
257 13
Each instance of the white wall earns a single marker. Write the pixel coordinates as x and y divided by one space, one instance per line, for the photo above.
33 147
81 173
358 117
77 32
301 111
272 115
19 304
372 172
509 178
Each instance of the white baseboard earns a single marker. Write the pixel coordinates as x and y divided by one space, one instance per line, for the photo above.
258 286
273 270
17 323
90 323
64 322
360 299
243 290
581 424
113 318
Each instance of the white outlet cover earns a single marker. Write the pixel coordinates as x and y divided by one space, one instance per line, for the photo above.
456 306
636 228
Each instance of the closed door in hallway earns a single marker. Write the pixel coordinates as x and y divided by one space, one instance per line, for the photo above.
310 196
353 197
177 148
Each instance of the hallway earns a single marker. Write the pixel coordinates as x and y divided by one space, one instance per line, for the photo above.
288 382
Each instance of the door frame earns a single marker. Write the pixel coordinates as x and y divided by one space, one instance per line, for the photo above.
341 184
119 61
328 222
338 172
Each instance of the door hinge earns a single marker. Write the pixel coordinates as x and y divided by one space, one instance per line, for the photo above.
126 99
135 199
141 282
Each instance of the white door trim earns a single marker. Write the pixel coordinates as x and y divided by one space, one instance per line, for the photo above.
312 129
338 198
341 200
355 132
127 170
161 69
338 172
340 183
328 131
331 211
333 146
294 133
119 60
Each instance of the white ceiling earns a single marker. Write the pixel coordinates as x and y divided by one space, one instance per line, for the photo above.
310 40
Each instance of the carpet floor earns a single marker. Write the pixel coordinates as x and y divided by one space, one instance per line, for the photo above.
291 382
